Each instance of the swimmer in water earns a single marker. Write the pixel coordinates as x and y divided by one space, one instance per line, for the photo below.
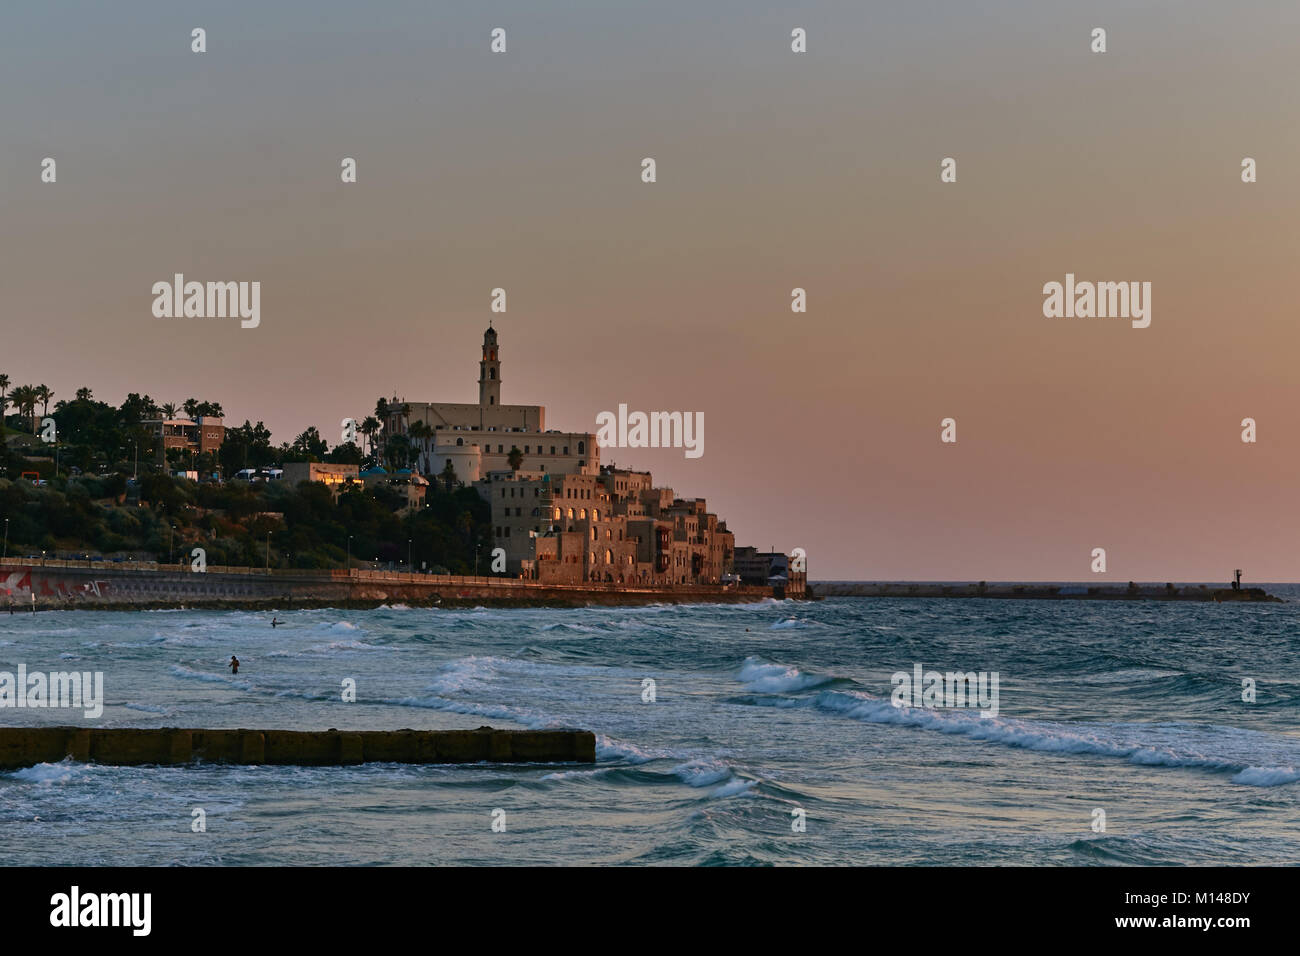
275 622
234 664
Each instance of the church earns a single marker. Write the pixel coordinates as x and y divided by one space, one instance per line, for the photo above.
560 517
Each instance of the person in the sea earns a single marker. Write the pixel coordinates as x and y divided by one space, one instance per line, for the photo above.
234 664
275 622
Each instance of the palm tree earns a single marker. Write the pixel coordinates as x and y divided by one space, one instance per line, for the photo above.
43 394
169 410
24 400
4 398
515 458
368 428
84 395
420 433
191 406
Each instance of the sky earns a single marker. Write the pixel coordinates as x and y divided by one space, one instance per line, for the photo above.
775 170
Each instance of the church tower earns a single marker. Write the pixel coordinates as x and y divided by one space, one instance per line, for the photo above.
489 378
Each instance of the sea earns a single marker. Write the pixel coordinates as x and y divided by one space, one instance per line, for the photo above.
1126 733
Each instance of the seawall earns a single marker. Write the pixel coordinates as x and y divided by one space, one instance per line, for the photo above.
66 584
27 746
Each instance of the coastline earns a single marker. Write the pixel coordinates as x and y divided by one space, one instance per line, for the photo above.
67 586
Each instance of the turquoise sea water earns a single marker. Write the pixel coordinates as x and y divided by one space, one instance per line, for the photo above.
1134 709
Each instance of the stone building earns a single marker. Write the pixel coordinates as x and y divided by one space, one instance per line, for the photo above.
477 438
560 517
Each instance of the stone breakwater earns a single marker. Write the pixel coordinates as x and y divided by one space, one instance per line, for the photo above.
28 746
67 584
1042 592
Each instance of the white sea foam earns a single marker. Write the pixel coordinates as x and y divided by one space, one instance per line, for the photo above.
764 678
1267 776
147 708
1157 745
702 773
180 670
62 772
736 787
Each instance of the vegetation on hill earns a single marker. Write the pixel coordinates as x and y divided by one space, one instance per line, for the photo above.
90 516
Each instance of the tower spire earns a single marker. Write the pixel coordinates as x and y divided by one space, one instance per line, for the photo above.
489 377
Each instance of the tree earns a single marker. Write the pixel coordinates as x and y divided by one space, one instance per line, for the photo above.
308 446
24 401
449 475
248 446
43 394
370 427
515 458
191 406
397 450
4 399
84 394
420 434
169 410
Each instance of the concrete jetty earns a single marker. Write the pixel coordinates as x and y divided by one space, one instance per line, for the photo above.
27 746
1043 591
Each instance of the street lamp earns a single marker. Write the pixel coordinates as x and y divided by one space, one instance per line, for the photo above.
408 557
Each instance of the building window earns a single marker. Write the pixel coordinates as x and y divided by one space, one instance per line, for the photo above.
582 512
582 448
570 513
566 449
460 441
609 556
552 449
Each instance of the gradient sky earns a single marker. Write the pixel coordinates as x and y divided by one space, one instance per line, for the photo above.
775 170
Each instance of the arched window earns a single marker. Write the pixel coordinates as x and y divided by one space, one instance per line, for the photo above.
492 374
609 556
582 512
582 448
460 441
595 514
558 514
570 512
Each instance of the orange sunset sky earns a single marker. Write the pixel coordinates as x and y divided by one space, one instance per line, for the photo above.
775 170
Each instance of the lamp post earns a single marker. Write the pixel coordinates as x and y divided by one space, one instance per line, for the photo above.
409 570
6 551
349 554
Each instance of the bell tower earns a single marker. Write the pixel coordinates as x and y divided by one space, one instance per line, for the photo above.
489 377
